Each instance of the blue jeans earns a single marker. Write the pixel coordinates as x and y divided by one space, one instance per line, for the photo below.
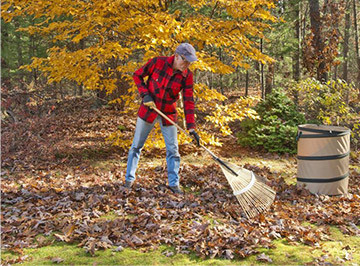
172 150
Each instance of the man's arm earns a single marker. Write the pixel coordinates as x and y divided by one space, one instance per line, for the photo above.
139 75
189 107
188 98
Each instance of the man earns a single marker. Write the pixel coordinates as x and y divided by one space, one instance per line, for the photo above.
167 77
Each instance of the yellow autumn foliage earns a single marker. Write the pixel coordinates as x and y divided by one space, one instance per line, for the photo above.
96 42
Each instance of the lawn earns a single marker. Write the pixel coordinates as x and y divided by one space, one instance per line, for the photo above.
340 250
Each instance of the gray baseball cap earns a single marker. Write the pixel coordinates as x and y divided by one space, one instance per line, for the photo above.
187 50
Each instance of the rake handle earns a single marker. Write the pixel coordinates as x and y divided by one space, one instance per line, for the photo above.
172 122
202 146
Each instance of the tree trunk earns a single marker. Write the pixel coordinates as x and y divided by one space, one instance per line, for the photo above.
296 56
238 77
20 59
32 48
262 72
80 90
61 90
346 42
269 79
80 87
221 84
101 98
357 48
317 42
303 20
247 83
221 75
210 80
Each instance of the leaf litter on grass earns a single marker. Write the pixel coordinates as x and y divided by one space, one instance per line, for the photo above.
49 188
149 215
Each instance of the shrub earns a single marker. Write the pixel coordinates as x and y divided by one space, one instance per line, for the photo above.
332 103
326 102
276 129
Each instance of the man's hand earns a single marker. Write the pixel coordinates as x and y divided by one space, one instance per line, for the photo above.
195 136
149 102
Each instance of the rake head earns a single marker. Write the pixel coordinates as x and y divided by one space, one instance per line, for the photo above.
253 195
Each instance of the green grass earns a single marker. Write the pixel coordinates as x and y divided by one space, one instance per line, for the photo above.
71 254
329 251
109 216
334 252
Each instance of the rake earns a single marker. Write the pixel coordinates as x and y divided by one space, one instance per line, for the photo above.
253 195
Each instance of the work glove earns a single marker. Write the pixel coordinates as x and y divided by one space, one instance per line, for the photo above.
195 136
148 101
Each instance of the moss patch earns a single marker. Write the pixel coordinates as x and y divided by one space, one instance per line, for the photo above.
343 249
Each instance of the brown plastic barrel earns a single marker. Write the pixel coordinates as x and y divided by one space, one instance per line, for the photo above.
323 159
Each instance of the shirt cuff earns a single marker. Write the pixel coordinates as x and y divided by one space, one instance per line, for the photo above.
147 98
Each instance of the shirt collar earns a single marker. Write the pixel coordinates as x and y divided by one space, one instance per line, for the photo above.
170 61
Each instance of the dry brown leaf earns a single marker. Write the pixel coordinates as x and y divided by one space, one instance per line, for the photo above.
57 260
264 258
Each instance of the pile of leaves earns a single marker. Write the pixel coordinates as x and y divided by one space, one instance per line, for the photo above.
70 132
206 220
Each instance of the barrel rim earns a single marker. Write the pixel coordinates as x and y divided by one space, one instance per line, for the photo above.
332 130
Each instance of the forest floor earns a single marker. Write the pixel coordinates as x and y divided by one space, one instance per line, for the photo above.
62 201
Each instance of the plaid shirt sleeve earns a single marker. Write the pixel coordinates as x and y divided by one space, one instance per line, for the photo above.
139 75
188 98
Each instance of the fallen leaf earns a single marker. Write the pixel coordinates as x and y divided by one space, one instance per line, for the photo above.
168 253
348 256
274 235
229 254
262 257
57 260
118 249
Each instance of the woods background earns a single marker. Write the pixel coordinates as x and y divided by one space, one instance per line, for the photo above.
308 50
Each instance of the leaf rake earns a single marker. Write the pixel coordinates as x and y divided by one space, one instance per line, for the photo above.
253 195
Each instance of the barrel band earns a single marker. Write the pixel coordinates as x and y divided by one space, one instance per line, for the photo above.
323 158
322 180
331 132
323 135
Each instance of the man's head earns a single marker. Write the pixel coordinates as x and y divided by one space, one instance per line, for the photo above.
185 54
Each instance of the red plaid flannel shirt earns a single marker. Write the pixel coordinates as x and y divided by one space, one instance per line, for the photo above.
164 85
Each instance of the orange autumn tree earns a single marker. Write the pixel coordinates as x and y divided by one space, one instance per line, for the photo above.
99 44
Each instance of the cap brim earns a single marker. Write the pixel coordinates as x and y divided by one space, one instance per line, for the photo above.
190 58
